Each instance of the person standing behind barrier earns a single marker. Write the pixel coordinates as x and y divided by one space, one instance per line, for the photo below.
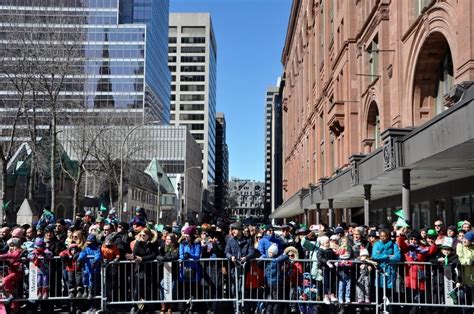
415 275
311 246
385 252
40 257
239 250
169 253
73 269
363 280
325 255
274 279
465 253
268 239
13 280
190 273
344 273
293 275
144 250
90 259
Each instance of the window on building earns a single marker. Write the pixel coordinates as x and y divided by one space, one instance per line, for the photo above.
193 40
374 58
445 81
172 40
420 5
373 125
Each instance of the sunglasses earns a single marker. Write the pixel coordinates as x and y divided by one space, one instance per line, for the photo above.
438 225
291 255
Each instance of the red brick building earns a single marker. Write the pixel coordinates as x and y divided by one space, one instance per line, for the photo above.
354 69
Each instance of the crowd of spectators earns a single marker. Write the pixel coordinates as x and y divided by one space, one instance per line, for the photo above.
312 262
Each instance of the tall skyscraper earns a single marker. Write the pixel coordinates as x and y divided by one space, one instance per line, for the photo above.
222 163
192 59
110 55
273 161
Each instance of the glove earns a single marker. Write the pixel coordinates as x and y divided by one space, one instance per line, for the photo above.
187 255
160 259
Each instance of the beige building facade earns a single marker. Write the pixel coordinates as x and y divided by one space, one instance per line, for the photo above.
355 69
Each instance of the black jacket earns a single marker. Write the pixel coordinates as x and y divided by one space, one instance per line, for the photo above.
239 248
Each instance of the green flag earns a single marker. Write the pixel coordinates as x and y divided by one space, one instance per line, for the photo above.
401 222
103 208
5 205
453 295
399 213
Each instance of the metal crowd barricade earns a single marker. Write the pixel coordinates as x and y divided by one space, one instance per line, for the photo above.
302 284
422 284
57 281
185 282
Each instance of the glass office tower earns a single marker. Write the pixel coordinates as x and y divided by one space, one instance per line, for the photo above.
116 52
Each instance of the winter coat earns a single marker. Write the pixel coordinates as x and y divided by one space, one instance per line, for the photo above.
13 258
70 261
384 254
90 258
265 242
273 270
312 249
466 258
324 256
41 259
415 275
191 270
239 248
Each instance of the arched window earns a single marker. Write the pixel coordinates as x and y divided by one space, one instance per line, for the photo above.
445 81
373 125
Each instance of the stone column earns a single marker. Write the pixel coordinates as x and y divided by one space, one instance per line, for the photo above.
330 213
367 188
406 194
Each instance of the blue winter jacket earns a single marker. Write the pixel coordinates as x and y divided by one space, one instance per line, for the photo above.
384 254
273 272
191 270
265 243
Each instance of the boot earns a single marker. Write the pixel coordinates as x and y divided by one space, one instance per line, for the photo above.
72 293
80 292
45 293
39 293
90 296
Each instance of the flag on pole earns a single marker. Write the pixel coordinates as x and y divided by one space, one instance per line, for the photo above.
401 222
399 213
103 208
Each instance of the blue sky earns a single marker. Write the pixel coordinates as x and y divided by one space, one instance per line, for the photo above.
250 35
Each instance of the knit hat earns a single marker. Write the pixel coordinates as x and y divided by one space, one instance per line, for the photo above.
452 228
14 242
364 252
91 238
339 230
88 213
334 237
314 228
292 250
190 230
323 240
469 236
273 249
40 244
18 233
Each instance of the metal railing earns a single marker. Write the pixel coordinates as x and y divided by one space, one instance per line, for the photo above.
301 284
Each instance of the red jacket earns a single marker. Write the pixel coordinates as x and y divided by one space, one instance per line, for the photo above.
415 275
70 261
14 259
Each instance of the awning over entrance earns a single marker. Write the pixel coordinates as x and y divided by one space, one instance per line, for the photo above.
440 151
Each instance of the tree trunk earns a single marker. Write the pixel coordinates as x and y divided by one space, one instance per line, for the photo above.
77 190
53 162
3 192
111 198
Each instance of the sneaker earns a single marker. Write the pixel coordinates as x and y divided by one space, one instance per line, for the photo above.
367 300
340 300
348 301
326 300
333 299
71 294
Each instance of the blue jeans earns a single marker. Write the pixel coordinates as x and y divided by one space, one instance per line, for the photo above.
344 284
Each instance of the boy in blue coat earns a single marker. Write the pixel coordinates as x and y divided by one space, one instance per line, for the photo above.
90 258
274 278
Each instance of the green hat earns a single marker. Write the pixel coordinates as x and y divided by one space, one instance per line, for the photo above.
459 224
431 233
159 228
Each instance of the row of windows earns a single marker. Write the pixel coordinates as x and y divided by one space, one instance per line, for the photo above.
191 97
189 107
192 78
61 3
193 68
188 40
191 88
193 59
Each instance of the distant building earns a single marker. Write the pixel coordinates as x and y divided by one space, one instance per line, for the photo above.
192 60
246 198
222 165
273 136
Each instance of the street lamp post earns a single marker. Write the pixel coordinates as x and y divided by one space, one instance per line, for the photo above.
120 205
185 193
158 210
